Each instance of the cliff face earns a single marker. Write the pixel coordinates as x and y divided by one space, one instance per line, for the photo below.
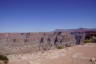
55 39
11 43
15 43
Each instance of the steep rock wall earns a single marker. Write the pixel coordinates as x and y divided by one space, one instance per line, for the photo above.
14 43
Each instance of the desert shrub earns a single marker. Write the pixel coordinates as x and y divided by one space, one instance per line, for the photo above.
4 59
60 47
88 41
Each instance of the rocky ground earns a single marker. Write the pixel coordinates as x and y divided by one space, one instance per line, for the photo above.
79 54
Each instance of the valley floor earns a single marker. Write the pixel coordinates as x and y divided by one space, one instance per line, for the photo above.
80 54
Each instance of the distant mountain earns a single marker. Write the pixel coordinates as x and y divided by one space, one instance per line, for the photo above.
75 30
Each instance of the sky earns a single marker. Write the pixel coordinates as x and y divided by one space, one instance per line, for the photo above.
46 15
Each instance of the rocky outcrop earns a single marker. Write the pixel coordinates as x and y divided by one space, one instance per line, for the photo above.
55 39
14 43
11 43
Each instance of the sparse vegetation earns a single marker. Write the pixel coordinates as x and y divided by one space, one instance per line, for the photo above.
4 59
60 47
88 41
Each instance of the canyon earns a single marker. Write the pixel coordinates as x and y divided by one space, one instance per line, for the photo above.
16 43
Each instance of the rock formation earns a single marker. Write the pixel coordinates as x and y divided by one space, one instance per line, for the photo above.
15 43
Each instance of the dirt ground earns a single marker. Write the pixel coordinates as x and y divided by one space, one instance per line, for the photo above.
80 54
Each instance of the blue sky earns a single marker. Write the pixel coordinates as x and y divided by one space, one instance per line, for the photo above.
46 15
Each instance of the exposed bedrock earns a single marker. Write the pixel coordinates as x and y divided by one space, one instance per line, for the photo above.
15 43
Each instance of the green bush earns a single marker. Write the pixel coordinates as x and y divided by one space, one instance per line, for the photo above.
60 47
4 59
88 41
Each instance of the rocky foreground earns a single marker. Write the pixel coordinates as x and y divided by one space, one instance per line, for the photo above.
79 54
